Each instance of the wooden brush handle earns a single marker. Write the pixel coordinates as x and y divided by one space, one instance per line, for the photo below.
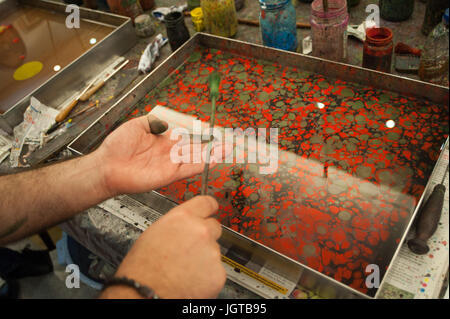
91 91
64 112
249 22
428 221
300 25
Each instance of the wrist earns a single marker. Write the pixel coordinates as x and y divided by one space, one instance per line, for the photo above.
101 173
143 290
120 292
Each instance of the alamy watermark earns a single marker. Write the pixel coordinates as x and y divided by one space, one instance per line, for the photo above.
253 146
73 19
374 14
373 276
73 279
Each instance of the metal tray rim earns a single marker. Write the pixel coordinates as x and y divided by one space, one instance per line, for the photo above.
197 39
60 7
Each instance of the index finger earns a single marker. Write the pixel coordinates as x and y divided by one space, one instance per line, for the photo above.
201 206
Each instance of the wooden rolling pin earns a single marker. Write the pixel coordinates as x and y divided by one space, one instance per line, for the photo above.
255 23
428 220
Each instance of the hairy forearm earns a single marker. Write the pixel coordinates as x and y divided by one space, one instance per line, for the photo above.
34 200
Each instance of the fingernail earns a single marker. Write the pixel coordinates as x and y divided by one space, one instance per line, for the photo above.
158 127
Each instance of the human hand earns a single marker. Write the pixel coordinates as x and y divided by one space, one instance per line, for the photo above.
136 161
178 256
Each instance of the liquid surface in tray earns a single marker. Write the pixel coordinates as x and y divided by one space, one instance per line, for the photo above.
39 36
353 160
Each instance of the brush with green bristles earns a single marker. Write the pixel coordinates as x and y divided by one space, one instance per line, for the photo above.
214 84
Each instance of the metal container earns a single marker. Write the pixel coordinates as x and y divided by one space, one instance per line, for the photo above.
291 268
72 78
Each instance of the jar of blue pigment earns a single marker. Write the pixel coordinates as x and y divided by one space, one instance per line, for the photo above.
278 24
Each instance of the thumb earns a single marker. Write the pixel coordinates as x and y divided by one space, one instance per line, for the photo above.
156 125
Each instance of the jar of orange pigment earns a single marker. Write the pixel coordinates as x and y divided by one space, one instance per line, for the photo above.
378 49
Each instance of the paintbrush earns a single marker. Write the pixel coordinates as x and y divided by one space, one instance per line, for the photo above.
214 83
325 5
101 83
66 110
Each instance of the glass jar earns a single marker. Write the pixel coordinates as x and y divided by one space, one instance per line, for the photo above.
219 17
434 60
329 30
177 31
278 24
433 14
378 49
143 26
396 10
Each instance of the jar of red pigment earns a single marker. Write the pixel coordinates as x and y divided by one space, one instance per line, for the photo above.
378 49
329 29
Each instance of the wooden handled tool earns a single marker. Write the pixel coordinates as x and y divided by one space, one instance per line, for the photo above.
300 25
89 90
214 84
92 90
99 85
325 5
428 220
65 111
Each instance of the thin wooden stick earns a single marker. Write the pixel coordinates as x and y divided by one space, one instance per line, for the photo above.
325 5
300 25
255 23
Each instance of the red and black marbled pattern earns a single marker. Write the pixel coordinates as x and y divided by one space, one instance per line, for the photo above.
346 184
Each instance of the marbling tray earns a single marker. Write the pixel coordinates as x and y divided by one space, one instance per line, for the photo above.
356 149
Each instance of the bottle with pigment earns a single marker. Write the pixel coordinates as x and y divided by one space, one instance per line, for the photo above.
278 24
434 61
329 21
219 17
378 47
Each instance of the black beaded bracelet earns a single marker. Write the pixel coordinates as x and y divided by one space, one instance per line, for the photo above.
143 290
